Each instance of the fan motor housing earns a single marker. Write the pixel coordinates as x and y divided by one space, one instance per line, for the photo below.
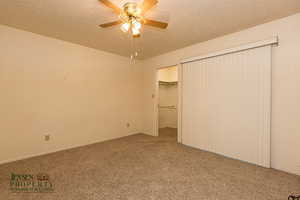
132 9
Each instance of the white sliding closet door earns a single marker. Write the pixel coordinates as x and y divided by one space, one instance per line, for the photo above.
226 105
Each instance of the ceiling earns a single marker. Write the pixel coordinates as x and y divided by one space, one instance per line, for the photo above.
190 21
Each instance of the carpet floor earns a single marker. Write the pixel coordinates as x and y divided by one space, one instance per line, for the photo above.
142 167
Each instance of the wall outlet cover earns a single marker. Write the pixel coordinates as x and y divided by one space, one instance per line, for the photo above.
47 137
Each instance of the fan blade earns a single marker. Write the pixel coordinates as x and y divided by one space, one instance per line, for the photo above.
110 24
147 5
109 4
157 24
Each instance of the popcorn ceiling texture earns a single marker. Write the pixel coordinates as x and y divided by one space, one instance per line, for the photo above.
142 167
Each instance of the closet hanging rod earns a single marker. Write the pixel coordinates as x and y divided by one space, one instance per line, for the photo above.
167 107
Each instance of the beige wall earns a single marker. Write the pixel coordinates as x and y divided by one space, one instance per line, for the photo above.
168 74
286 84
77 94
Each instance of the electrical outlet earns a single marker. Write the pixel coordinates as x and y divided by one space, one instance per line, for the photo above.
128 125
47 137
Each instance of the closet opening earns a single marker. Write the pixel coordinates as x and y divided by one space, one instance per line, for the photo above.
167 102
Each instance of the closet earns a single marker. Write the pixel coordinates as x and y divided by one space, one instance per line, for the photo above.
226 103
168 95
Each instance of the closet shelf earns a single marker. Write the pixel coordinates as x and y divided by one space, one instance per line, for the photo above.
167 83
167 107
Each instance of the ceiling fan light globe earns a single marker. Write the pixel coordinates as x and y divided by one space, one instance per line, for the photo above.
135 31
125 27
137 25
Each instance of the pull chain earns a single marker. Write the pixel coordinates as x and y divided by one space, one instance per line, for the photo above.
134 50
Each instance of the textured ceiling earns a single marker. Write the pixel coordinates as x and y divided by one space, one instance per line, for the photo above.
191 21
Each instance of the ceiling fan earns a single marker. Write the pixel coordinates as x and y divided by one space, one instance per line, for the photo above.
132 16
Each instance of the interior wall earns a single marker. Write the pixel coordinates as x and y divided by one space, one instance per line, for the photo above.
169 74
168 95
76 94
285 127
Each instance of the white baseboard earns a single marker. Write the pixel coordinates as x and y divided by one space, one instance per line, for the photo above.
148 133
58 150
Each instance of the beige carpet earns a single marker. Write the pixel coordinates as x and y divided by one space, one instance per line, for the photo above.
142 167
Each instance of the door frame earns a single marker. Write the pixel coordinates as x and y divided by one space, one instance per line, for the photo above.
179 99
